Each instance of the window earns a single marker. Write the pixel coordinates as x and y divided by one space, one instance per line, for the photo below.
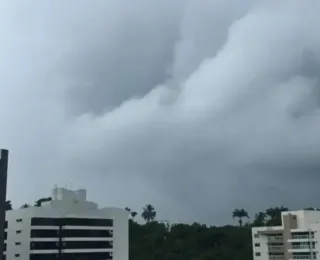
45 222
258 254
44 256
86 244
256 235
17 255
46 233
257 244
5 235
52 245
18 243
86 233
5 224
44 245
73 256
19 220
18 231
43 233
276 253
71 222
87 222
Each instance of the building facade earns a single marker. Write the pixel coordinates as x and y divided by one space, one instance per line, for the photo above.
3 191
297 238
68 227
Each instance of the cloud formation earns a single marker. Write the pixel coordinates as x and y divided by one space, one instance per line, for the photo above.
195 106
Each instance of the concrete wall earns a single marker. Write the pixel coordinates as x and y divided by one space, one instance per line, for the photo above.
121 231
263 241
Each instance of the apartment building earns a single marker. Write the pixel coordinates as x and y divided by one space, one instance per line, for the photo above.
68 227
297 238
3 191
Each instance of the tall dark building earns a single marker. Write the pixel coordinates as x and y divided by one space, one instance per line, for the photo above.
3 191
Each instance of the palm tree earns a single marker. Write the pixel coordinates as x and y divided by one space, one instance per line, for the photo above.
133 214
24 206
240 213
128 209
8 205
148 213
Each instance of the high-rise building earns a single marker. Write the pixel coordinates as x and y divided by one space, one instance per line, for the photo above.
297 238
3 191
67 227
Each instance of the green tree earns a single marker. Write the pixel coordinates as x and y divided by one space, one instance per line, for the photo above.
274 215
41 200
259 219
133 214
240 214
24 206
8 205
127 209
148 213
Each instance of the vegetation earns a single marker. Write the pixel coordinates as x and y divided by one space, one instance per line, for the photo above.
24 206
158 240
8 205
41 200
240 213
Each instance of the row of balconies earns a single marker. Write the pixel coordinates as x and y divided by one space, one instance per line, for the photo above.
302 237
293 237
296 257
279 248
303 247
303 257
276 257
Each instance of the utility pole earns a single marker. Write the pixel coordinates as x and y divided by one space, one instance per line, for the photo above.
3 192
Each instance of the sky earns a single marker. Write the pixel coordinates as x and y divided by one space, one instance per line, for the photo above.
197 107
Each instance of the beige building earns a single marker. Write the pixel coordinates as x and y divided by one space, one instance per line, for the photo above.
297 238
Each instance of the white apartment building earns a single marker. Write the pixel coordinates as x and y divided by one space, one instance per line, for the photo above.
297 238
68 227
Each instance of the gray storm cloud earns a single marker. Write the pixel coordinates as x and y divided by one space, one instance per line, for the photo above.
195 106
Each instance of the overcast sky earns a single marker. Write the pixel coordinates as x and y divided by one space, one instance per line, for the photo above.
195 106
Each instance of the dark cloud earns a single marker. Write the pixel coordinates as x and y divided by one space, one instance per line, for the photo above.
195 106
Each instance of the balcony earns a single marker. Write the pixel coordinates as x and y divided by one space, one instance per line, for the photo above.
275 238
302 237
275 248
276 257
303 257
303 247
